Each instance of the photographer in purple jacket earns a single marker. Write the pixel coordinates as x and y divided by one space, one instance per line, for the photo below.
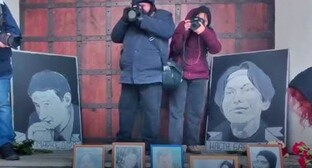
192 40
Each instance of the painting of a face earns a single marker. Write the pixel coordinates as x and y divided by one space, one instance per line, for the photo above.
86 161
242 100
130 160
165 161
50 107
261 162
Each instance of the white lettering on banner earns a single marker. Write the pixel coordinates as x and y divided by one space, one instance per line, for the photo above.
59 145
221 146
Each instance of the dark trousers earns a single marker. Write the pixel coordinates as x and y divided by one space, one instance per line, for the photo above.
186 106
145 98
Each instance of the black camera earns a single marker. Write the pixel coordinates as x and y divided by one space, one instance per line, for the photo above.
134 13
10 40
195 23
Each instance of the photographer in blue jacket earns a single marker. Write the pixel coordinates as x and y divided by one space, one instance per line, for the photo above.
144 32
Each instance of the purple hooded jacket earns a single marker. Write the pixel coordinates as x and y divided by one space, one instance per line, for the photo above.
192 57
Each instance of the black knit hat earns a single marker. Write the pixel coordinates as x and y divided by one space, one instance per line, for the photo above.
203 9
138 1
303 83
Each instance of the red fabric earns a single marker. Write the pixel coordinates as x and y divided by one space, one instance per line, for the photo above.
305 108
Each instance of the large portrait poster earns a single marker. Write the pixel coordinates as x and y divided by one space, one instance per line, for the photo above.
247 100
45 98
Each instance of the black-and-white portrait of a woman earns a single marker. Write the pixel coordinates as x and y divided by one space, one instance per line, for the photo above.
247 90
264 156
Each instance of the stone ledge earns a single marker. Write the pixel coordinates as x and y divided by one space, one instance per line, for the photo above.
63 159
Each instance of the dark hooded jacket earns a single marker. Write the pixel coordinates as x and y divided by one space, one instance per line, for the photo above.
140 61
190 49
9 26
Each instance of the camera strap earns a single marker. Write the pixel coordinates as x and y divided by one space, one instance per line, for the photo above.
152 39
184 53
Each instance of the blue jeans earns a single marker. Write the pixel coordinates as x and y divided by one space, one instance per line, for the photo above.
187 103
6 129
145 98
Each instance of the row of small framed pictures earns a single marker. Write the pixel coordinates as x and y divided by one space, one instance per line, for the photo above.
132 155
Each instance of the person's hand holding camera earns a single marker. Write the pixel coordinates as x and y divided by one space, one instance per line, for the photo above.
200 29
125 14
2 45
197 25
187 24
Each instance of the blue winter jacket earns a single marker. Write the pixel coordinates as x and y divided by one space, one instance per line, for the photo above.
9 26
140 61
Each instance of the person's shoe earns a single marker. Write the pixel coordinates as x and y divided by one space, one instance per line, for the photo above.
194 149
7 152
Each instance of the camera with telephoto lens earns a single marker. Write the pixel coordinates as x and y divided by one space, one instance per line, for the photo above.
10 40
134 13
195 23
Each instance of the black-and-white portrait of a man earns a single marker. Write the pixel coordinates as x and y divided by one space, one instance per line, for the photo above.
247 90
46 100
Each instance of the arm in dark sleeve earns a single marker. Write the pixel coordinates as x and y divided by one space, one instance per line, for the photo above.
210 38
10 23
161 25
178 38
119 31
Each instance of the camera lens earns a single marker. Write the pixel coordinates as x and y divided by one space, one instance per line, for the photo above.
195 25
132 14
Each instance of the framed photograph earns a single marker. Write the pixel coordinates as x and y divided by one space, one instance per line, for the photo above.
89 156
216 161
264 155
130 155
249 78
167 156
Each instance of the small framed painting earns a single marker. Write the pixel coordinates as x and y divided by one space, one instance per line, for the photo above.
217 161
264 155
89 156
163 156
128 155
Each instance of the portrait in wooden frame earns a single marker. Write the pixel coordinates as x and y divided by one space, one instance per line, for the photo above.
89 156
263 155
167 156
216 161
131 154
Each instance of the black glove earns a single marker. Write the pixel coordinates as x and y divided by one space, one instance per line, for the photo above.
140 17
125 14
138 21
